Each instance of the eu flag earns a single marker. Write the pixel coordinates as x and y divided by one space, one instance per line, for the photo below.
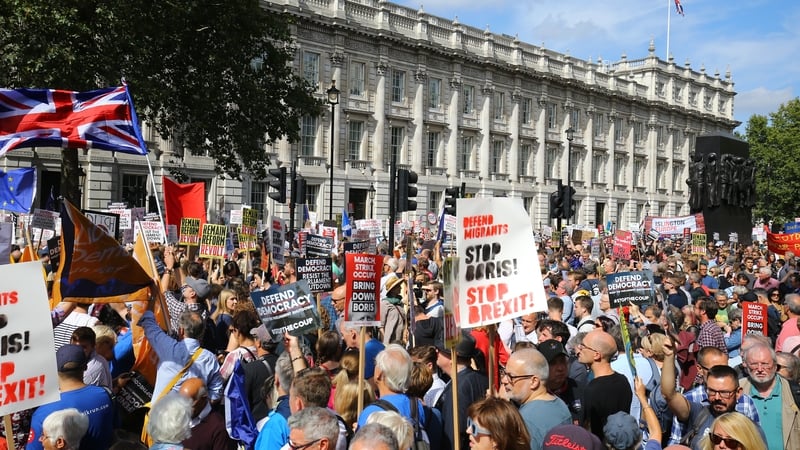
17 190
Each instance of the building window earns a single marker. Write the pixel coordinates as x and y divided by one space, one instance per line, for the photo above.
312 192
575 119
527 202
677 139
677 93
395 145
599 125
619 132
638 132
661 137
576 165
639 165
552 116
469 99
693 97
465 157
723 106
619 170
707 102
551 162
661 89
355 131
258 195
134 190
433 148
434 93
499 105
498 151
527 111
357 77
434 197
308 135
311 68
598 168
661 175
398 86
525 163
677 177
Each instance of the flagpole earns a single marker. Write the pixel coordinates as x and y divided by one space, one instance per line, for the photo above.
669 16
155 190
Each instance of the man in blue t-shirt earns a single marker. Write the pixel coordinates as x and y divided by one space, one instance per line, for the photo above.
93 401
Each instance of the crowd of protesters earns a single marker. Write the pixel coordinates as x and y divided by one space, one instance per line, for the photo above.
561 378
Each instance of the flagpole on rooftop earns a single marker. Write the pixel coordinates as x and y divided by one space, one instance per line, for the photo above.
669 16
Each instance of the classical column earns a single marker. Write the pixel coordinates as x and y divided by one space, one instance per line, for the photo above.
378 138
453 113
485 151
512 161
418 140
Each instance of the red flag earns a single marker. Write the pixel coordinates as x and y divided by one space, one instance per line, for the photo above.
184 200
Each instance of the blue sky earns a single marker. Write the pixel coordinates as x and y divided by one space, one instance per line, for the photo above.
758 40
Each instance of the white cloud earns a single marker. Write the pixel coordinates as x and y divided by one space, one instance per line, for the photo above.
760 100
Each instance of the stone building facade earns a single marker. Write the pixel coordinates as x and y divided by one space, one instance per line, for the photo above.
458 105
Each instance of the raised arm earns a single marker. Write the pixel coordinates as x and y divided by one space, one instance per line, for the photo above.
675 400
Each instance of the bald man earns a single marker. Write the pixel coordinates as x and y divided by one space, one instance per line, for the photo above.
609 391
208 426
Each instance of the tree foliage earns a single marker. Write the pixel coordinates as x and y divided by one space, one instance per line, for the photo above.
214 76
774 144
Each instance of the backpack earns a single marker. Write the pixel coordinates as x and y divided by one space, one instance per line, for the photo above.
698 425
656 399
420 436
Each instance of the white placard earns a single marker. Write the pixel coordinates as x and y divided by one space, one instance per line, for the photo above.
153 232
498 273
27 356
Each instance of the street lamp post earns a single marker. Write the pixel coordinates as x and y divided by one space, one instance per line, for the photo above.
333 100
570 136
371 195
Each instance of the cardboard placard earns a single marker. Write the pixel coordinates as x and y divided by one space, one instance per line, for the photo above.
108 222
318 246
212 241
190 231
625 288
363 289
621 248
317 272
288 308
754 318
153 232
277 238
356 247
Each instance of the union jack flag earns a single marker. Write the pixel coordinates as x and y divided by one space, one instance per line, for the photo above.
103 119
679 7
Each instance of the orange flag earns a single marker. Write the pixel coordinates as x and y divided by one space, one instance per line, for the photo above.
146 358
93 267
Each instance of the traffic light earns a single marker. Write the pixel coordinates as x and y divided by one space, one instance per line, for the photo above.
299 191
451 195
406 190
279 183
569 202
557 203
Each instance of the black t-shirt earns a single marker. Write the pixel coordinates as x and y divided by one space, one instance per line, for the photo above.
255 373
603 397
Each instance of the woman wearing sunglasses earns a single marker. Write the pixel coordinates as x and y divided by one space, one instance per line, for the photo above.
495 424
733 431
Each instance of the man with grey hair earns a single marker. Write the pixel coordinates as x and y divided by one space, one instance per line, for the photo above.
174 354
772 395
64 429
313 428
790 328
374 436
764 279
274 432
525 383
392 376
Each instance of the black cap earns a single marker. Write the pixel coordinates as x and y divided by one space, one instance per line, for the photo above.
552 348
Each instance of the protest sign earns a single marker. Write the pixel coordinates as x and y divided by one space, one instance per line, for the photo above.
108 222
136 214
44 219
124 216
248 231
153 232
318 246
135 394
621 248
54 249
28 375
363 289
235 217
373 226
356 247
754 318
288 308
212 241
330 232
625 288
450 224
499 272
277 238
190 231
791 227
302 237
317 272
675 225
782 243
699 243
172 233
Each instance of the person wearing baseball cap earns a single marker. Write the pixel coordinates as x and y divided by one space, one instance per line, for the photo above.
559 383
570 437
93 400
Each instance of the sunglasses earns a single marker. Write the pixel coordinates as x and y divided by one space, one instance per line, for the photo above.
729 442
475 430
